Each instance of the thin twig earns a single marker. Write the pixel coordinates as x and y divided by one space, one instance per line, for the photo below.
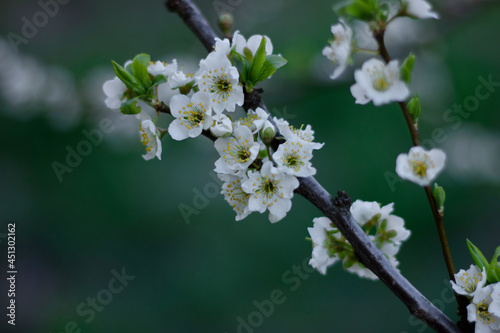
337 210
438 218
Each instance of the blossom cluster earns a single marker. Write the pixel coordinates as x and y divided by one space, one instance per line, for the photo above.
481 285
387 232
484 307
255 179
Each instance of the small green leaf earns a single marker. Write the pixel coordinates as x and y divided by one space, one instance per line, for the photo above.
257 62
140 69
477 256
130 106
406 68
247 54
159 79
128 79
414 107
493 270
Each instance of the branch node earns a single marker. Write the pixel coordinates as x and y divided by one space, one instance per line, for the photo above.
342 201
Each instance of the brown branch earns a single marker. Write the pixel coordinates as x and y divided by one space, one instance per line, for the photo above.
336 210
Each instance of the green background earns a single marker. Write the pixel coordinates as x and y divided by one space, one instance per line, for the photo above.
116 210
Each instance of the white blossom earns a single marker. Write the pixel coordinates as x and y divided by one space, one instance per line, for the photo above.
420 166
234 194
162 68
378 82
291 133
222 126
149 138
364 211
222 46
220 80
478 311
270 189
193 115
236 152
114 90
293 157
179 79
495 296
419 9
252 44
321 259
340 48
254 119
469 281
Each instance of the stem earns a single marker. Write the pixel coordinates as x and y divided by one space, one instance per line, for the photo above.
438 218
337 210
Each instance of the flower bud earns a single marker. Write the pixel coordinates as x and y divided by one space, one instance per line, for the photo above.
267 133
222 126
225 22
439 197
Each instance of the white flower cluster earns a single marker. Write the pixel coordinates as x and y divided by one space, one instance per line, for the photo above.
387 231
376 81
484 309
255 179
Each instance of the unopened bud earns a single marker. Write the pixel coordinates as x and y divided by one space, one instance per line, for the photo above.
267 133
439 197
226 21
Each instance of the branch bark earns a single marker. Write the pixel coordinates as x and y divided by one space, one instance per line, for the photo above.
336 209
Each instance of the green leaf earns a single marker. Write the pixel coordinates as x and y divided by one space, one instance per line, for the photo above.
272 63
493 271
414 107
365 10
159 79
130 106
140 69
406 68
128 79
477 256
276 60
257 62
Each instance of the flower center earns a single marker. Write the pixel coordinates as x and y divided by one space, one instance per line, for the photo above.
269 187
221 85
292 160
194 117
241 154
380 80
482 312
419 168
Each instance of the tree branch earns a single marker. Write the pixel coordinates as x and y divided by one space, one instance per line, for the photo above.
336 209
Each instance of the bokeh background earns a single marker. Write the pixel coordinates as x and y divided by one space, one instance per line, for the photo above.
115 211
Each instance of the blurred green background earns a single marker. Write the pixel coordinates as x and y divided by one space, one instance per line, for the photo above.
114 210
